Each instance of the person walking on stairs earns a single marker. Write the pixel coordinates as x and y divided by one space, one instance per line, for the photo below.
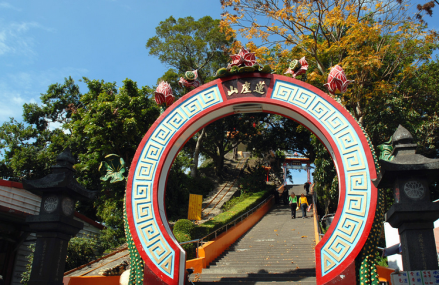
303 204
306 187
293 203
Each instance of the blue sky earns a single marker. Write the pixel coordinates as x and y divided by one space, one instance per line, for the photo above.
42 42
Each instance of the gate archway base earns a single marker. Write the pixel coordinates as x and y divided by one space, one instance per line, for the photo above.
253 92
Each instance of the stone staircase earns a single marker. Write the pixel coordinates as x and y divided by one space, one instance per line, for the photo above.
277 249
223 193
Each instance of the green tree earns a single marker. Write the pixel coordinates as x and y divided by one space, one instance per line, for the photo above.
283 134
29 148
109 120
325 179
104 120
226 134
186 44
414 105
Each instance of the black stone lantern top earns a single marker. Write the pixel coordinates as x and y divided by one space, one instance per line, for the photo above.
410 175
61 181
413 213
406 162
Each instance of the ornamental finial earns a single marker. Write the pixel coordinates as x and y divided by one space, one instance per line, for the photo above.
243 58
337 81
163 94
297 67
190 79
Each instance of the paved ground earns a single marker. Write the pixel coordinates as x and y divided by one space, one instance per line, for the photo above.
277 249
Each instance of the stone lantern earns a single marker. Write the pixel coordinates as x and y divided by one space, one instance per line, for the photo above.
413 213
55 225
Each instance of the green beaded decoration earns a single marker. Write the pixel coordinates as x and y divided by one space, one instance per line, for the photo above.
368 258
137 264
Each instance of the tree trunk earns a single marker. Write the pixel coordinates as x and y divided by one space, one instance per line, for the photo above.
235 153
219 162
194 170
359 114
327 202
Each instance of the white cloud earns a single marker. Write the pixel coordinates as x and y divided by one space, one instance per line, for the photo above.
6 5
15 39
26 87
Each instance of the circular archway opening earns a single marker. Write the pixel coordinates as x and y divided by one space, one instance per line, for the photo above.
315 110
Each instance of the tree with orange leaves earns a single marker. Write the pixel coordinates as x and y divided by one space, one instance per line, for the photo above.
383 50
375 42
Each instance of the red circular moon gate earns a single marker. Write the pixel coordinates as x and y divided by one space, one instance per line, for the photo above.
252 92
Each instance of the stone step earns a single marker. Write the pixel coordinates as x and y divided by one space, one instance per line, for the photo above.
262 254
288 263
251 258
301 282
260 257
258 277
253 269
275 268
265 262
275 240
277 249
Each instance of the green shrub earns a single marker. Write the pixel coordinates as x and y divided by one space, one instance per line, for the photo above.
382 261
25 276
234 212
235 200
183 231
80 251
184 226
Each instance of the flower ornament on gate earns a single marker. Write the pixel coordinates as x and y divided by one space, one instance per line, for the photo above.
244 57
243 62
297 67
337 81
163 94
190 79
